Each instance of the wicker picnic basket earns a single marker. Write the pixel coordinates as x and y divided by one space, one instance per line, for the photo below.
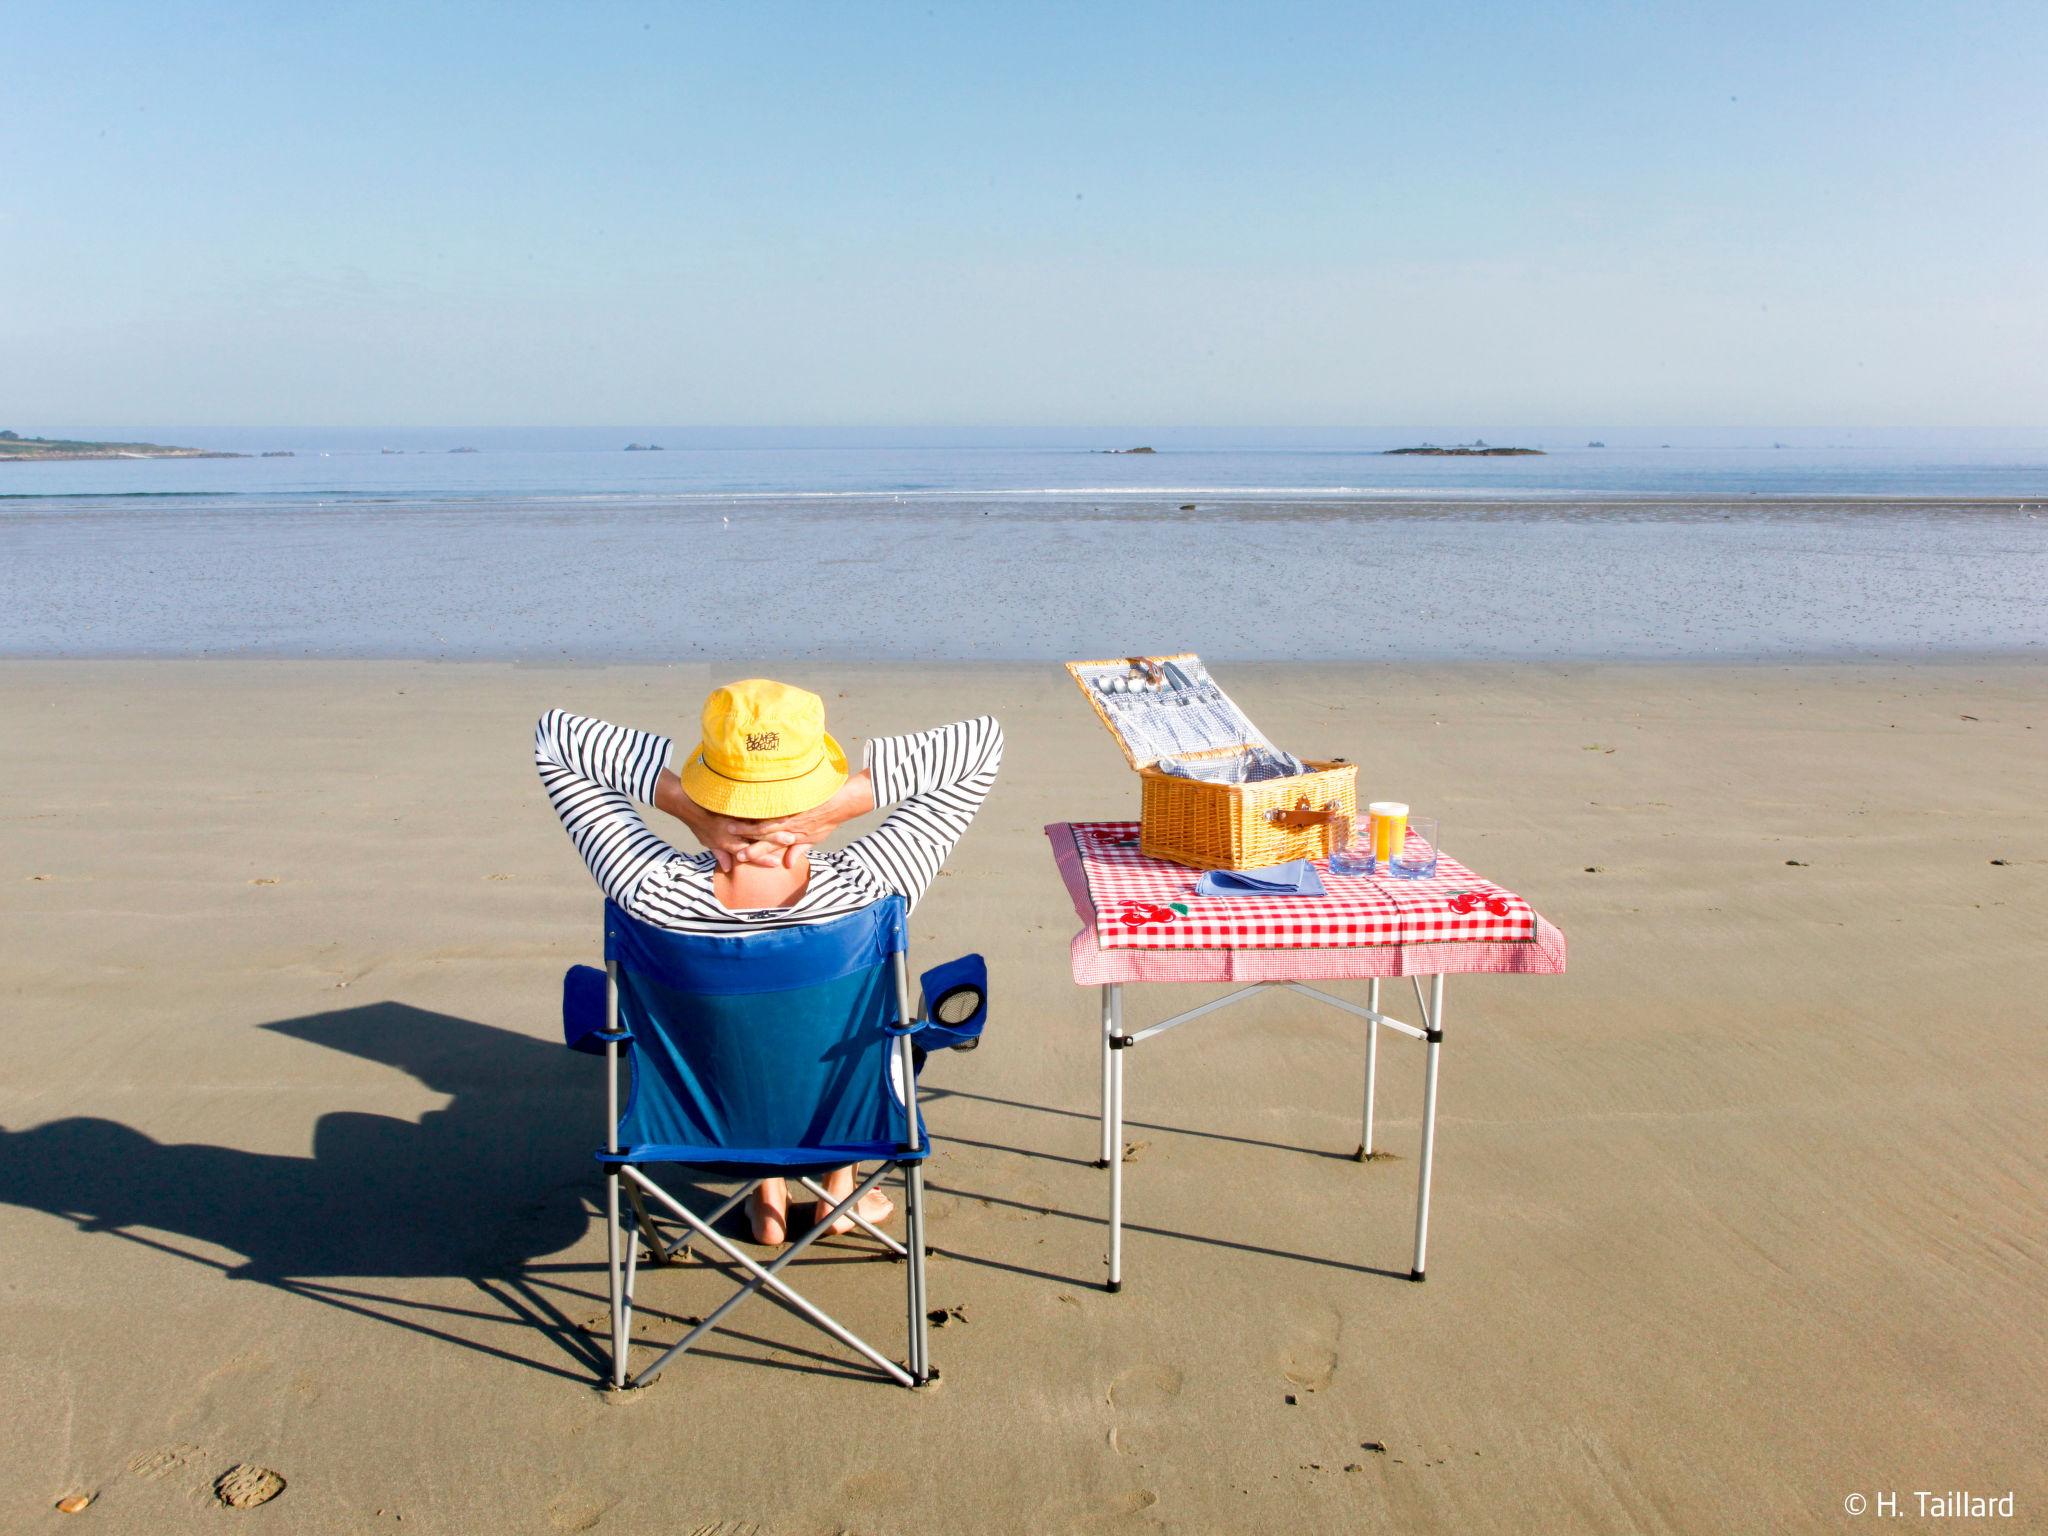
1179 712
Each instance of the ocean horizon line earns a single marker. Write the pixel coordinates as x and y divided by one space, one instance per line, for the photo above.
1085 438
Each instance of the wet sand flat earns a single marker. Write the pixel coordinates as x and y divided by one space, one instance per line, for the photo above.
940 576
1740 1216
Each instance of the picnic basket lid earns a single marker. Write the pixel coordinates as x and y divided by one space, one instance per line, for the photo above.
1180 713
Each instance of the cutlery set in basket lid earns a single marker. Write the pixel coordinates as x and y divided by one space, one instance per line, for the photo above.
1215 793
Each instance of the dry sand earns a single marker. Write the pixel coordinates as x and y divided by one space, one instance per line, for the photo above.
1741 1216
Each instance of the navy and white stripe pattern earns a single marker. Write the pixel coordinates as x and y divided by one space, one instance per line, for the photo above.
594 773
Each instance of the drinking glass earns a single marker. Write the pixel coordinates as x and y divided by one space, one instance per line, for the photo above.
1417 858
1350 845
1389 830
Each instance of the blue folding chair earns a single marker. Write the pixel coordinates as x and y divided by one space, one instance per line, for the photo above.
783 1053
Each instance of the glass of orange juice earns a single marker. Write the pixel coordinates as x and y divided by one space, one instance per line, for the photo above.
1389 833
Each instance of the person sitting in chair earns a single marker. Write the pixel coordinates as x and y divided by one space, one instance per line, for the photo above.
764 785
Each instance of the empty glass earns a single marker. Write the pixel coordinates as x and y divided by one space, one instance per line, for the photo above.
1417 858
1350 845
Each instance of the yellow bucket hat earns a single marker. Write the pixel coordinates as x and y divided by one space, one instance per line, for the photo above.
765 753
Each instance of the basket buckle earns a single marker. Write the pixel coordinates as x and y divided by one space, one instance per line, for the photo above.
1303 815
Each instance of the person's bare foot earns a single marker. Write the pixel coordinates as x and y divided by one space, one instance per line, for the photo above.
768 1211
874 1207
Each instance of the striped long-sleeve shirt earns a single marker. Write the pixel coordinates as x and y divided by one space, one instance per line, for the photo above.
594 772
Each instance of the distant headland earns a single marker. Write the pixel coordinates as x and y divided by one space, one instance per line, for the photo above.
16 448
1467 451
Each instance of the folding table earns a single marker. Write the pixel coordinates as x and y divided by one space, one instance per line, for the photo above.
1141 921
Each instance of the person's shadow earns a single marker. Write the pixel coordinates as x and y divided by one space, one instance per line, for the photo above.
478 1190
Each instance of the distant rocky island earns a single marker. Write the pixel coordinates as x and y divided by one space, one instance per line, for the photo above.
16 448
643 448
1467 451
1126 450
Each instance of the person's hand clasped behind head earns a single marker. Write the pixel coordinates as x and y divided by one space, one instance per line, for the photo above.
766 783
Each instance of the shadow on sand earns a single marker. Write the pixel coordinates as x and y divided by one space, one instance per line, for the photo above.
478 1191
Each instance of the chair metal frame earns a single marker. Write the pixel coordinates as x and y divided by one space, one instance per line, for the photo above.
639 1188
1116 1044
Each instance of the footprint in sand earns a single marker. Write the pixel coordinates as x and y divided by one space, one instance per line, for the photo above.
1308 1355
880 1486
1141 1402
1026 1200
171 1461
244 1486
571 1513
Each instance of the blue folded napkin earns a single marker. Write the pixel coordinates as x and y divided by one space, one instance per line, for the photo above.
1296 879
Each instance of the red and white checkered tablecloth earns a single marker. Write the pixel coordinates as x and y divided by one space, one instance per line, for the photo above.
1141 903
1146 903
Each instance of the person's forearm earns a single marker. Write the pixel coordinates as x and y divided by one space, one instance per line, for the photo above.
939 779
670 799
592 773
856 797
615 756
904 767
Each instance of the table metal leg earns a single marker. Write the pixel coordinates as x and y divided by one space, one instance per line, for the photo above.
1116 1045
1102 1160
1434 1041
1372 1065
1114 1146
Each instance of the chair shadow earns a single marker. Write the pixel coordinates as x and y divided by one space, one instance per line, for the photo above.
478 1190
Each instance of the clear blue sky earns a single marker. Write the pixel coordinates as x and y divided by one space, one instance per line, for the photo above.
1634 214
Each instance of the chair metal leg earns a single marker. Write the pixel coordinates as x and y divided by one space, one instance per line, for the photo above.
1434 1041
626 1236
766 1278
920 1304
912 1305
613 1173
682 1244
618 1290
659 1249
1113 1145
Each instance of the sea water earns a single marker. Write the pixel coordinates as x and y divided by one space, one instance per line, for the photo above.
559 545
